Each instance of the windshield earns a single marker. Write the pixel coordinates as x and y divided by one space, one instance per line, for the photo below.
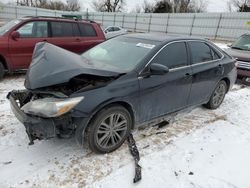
5 28
243 43
123 53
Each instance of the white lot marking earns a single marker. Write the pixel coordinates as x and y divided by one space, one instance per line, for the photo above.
201 148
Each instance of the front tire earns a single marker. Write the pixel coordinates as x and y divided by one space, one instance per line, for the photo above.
109 129
218 95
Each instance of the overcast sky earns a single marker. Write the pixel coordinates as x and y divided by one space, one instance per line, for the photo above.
213 5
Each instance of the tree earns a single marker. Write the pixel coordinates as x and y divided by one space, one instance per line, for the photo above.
240 5
197 6
70 5
175 6
73 5
163 6
148 7
108 5
137 9
185 6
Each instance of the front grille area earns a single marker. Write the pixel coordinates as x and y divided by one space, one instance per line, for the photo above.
243 65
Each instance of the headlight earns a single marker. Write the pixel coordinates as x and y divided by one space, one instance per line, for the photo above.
51 107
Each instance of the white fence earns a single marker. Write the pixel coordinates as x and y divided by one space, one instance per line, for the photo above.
223 26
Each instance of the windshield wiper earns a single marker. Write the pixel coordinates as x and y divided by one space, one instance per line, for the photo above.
238 48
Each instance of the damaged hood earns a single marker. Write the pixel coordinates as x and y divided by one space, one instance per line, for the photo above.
52 65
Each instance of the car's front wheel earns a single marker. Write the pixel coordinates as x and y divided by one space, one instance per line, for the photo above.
109 129
217 96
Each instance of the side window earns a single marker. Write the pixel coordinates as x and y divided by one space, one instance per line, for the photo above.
62 29
110 29
116 29
76 30
35 29
173 55
201 52
215 54
87 30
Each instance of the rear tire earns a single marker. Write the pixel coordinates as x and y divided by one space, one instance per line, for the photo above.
2 70
217 96
109 129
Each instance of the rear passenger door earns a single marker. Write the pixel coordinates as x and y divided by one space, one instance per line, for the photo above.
89 37
206 71
66 35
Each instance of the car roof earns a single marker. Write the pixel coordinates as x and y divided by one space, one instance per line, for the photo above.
160 37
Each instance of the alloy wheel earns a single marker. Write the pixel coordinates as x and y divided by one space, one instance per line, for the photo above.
111 130
219 94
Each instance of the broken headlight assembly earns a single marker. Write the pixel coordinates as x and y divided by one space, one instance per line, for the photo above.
51 107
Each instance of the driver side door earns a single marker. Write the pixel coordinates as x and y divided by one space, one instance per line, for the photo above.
163 94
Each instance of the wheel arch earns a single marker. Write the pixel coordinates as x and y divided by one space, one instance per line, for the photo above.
83 127
227 82
124 104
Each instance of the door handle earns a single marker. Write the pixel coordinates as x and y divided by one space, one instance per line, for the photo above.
78 40
188 76
45 40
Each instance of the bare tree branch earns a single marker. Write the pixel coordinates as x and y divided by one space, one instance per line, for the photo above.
70 5
108 5
240 5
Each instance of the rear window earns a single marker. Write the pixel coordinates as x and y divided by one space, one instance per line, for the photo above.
64 29
87 30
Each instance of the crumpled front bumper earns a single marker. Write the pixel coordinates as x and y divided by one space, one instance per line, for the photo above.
36 127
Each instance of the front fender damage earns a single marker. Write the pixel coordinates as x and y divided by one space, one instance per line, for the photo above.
39 127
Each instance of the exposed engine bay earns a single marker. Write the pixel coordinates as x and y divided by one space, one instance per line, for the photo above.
79 84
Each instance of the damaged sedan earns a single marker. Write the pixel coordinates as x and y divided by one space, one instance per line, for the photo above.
101 95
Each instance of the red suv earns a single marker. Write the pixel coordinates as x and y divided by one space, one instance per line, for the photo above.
19 37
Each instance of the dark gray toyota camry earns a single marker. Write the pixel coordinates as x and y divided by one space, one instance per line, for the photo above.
127 81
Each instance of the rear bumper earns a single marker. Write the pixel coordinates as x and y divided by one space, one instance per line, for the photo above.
36 127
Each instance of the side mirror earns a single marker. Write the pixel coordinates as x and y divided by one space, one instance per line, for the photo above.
158 69
229 45
15 35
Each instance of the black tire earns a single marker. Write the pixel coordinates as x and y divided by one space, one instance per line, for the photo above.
217 96
2 71
108 129
246 81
